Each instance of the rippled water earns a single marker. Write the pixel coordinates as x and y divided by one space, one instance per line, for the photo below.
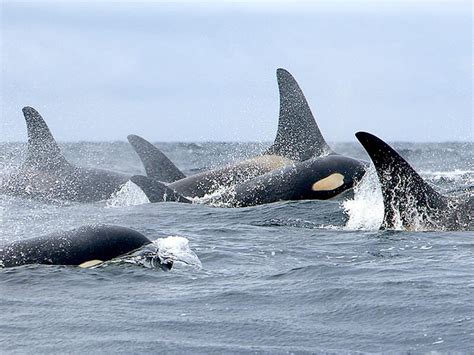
286 277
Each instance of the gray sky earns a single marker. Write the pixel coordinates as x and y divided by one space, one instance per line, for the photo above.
206 71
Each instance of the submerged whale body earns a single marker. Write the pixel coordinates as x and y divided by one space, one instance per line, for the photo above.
47 175
409 202
298 159
85 246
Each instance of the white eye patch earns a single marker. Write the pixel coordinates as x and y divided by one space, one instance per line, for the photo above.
90 263
329 183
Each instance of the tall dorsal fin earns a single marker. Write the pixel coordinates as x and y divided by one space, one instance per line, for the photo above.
298 136
157 165
43 151
404 191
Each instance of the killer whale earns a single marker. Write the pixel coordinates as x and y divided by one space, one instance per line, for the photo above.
320 178
203 183
299 140
408 200
85 246
47 175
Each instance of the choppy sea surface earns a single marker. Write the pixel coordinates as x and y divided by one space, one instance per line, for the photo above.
289 277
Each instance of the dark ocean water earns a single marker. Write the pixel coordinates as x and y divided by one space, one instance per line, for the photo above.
307 276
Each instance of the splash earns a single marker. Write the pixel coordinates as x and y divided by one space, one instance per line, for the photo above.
129 195
221 197
366 209
177 249
163 253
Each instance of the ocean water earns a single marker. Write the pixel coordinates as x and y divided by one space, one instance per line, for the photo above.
288 277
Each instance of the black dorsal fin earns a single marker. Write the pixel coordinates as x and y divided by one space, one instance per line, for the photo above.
298 136
156 191
157 165
404 191
43 151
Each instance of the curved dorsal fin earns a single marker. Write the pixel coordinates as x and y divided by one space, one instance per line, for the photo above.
298 136
157 165
43 151
404 191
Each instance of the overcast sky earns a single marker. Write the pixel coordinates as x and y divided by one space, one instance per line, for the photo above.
206 71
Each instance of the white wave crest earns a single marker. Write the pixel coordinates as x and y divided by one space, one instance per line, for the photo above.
366 209
129 195
454 175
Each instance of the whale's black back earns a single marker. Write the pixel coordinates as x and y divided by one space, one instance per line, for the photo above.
73 247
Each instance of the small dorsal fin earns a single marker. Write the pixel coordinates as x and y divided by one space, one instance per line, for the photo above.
404 191
43 151
298 136
156 191
157 165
